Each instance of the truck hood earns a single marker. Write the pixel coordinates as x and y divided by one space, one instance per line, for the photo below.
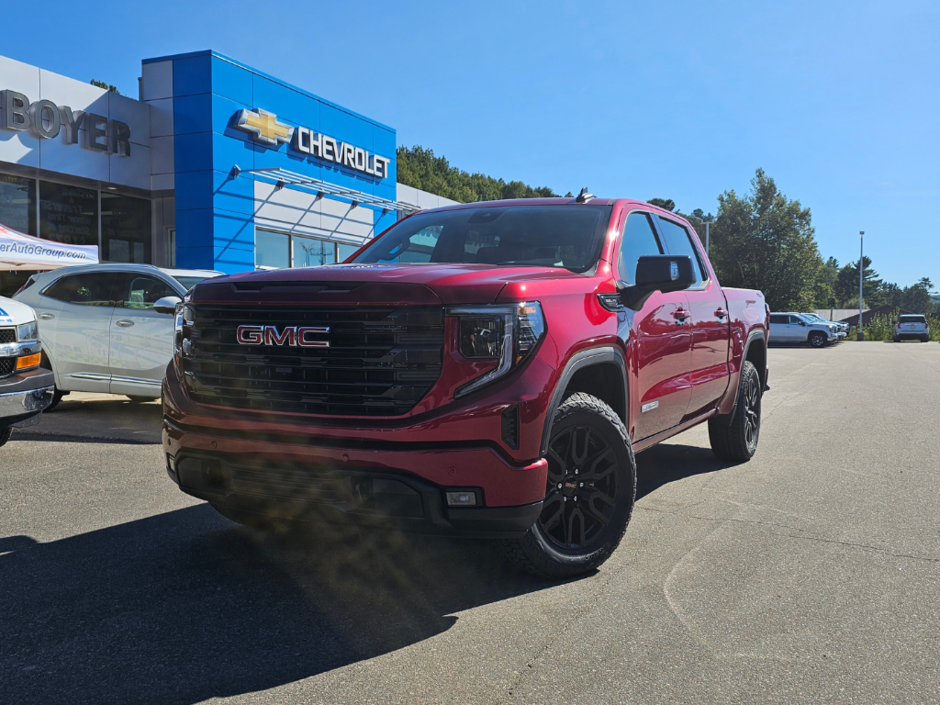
14 313
413 284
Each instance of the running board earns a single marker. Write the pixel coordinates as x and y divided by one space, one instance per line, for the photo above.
650 441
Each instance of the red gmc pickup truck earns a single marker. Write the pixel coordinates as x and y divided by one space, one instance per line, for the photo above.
487 369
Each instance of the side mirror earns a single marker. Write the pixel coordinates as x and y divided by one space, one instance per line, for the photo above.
803 323
654 273
167 304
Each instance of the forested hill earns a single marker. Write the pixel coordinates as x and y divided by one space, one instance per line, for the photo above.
419 168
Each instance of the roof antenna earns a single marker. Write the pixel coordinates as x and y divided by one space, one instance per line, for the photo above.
584 196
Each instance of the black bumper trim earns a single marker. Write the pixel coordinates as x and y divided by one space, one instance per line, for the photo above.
298 494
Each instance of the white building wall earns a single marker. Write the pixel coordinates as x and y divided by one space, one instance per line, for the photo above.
25 148
422 199
301 213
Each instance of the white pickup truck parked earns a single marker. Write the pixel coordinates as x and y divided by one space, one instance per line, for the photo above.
25 388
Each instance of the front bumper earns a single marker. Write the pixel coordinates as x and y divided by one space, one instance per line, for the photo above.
25 395
369 487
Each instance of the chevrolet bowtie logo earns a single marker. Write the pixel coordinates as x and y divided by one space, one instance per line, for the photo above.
265 126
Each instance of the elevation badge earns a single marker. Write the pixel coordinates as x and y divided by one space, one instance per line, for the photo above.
264 126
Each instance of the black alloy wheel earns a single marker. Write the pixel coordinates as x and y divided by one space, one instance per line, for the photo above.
734 436
817 340
582 488
750 398
589 494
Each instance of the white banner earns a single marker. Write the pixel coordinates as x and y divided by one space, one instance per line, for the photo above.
19 251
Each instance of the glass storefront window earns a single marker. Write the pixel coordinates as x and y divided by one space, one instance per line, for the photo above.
312 253
68 214
344 251
272 250
125 229
18 203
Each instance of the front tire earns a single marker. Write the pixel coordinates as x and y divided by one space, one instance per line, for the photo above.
590 491
56 398
817 340
737 441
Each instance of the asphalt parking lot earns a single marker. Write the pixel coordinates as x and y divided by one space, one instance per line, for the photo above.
809 575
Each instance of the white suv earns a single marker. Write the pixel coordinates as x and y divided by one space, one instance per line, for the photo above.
108 327
911 326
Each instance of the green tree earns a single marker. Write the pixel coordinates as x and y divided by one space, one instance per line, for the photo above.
766 241
419 168
916 298
107 86
825 284
846 288
666 203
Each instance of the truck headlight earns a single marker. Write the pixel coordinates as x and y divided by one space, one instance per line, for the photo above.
504 333
27 332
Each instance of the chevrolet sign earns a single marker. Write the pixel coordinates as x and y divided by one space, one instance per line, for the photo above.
267 129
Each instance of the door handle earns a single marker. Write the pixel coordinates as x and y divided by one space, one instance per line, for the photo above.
721 313
46 316
681 316
124 323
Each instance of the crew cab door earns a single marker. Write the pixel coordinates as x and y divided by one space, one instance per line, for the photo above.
709 322
660 336
75 327
141 340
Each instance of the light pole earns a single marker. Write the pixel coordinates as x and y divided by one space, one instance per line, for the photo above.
861 280
707 224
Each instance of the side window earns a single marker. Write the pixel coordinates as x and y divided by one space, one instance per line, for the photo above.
141 292
678 242
93 289
778 319
639 240
795 320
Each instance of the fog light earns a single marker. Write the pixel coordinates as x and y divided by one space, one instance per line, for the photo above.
461 499
27 361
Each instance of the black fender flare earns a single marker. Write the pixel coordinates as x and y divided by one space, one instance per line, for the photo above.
579 361
751 337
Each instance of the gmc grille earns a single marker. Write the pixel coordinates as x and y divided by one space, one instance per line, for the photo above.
7 335
7 365
381 361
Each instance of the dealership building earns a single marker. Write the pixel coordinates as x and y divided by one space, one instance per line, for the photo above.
216 165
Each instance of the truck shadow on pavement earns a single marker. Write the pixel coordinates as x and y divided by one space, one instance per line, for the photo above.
671 462
186 606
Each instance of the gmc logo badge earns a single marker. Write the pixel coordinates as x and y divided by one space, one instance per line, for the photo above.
292 336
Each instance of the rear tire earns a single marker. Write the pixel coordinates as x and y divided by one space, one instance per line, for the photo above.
737 441
590 491
897 339
817 340
5 434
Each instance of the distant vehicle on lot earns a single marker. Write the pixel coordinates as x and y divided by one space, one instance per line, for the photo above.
911 326
108 327
25 388
795 328
841 326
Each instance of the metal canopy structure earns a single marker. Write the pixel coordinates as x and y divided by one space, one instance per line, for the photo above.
284 177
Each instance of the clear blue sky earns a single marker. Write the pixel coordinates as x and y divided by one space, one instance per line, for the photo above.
837 101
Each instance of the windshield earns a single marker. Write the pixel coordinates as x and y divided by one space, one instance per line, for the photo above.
190 281
537 236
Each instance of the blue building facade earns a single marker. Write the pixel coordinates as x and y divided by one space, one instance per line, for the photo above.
262 173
